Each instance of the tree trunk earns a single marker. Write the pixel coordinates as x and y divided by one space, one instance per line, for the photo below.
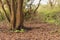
17 18
13 16
51 4
19 14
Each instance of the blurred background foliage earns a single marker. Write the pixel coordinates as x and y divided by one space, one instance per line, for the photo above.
45 13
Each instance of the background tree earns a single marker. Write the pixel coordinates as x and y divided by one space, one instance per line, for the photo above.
31 9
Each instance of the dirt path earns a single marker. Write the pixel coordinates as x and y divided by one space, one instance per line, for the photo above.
43 32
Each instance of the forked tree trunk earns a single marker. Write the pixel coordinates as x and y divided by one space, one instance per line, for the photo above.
16 13
17 16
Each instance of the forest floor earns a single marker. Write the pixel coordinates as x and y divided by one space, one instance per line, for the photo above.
40 31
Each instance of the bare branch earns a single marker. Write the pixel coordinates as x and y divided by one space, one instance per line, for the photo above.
37 6
5 11
31 5
9 5
30 8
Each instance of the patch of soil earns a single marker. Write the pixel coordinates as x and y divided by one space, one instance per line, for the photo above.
40 31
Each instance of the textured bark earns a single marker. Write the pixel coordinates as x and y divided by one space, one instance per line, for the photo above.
19 14
12 16
16 18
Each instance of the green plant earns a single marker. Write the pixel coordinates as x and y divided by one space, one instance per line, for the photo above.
22 30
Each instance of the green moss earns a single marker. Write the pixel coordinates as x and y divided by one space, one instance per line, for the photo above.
22 30
51 21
